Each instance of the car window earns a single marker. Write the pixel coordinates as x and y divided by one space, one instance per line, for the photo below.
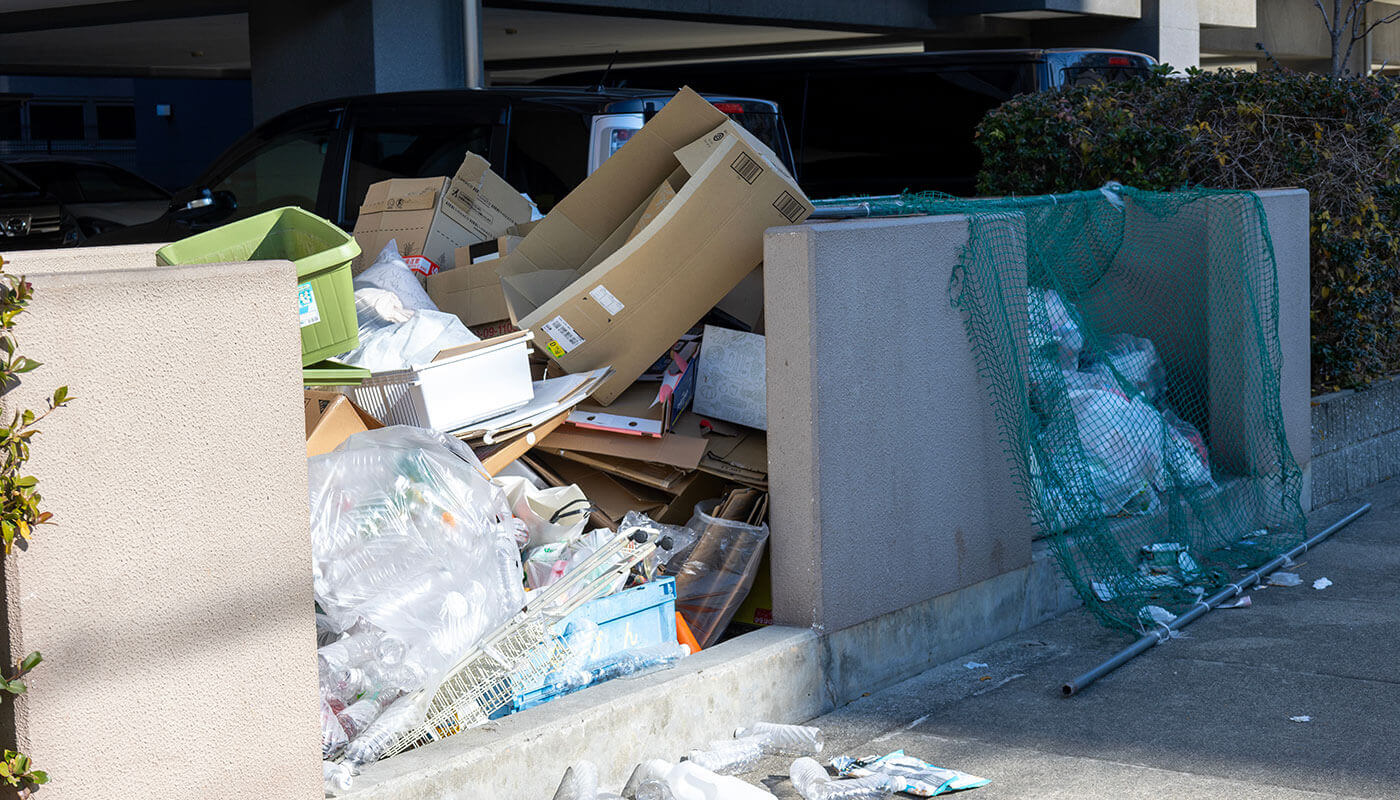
102 185
56 179
285 170
13 183
548 152
400 150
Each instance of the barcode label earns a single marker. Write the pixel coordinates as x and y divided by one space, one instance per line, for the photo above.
563 333
747 168
790 207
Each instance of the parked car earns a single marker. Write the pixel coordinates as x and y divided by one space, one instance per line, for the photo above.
324 156
101 196
29 218
886 123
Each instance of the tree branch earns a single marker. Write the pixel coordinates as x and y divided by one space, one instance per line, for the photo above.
1387 19
1323 11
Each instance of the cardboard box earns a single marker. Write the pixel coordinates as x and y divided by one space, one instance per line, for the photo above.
432 217
471 289
331 418
591 297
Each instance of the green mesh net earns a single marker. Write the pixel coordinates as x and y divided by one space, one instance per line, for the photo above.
1129 342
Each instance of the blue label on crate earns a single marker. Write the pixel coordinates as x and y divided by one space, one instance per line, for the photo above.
306 305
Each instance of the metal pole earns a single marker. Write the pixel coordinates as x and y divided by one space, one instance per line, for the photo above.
473 65
1199 610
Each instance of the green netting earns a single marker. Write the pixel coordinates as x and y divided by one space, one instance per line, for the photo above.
1129 341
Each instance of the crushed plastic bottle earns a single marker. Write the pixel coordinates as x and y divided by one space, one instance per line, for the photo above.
813 783
690 781
654 790
637 661
371 745
653 770
580 782
336 777
358 715
333 737
729 757
784 740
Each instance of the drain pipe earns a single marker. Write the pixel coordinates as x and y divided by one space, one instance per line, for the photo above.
473 65
1199 610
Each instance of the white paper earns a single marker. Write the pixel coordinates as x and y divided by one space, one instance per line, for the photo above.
552 396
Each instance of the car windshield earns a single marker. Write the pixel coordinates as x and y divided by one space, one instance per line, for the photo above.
12 183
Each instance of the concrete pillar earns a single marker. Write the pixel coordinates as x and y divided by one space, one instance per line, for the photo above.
302 52
889 481
172 602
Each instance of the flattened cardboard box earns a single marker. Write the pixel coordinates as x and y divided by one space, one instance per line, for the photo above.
471 289
432 217
589 306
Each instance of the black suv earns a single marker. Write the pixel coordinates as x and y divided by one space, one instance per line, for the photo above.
30 218
324 156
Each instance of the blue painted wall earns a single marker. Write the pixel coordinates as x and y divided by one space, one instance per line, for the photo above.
206 117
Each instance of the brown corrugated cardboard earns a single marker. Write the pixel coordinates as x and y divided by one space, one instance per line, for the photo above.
678 451
588 306
331 418
432 217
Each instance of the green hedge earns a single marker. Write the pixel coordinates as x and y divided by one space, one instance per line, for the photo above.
1339 139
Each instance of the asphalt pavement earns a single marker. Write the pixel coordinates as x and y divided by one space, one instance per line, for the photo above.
1297 696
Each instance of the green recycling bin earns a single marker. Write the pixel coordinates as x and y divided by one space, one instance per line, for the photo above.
322 254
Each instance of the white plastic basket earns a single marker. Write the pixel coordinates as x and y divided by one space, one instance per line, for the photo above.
463 385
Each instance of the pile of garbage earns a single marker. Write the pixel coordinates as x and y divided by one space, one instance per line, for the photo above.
1110 444
710 774
536 442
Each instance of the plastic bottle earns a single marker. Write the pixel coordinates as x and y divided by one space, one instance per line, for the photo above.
653 770
628 663
358 715
784 740
813 783
729 757
690 781
333 736
654 790
400 717
336 777
580 782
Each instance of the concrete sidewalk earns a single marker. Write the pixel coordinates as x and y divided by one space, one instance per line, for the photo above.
1205 716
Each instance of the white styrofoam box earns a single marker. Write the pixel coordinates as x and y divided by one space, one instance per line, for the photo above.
461 386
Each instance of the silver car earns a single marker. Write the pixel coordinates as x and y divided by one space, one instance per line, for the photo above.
101 196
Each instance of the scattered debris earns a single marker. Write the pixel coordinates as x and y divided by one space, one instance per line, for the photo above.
1285 579
974 665
1321 583
1300 718
918 777
1242 601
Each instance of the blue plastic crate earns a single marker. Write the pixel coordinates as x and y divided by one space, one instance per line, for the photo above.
636 617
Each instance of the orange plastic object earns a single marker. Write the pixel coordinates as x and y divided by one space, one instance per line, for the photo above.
684 636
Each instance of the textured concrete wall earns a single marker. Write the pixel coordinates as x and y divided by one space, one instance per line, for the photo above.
1286 211
889 486
172 602
1355 440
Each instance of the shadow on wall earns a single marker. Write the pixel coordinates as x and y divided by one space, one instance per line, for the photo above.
205 117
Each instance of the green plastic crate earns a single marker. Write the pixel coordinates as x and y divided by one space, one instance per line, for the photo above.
333 373
322 254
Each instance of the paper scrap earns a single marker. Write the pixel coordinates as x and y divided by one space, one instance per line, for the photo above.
974 665
1285 579
1242 601
1300 718
1321 583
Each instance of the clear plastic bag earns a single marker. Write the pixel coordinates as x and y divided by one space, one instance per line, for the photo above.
714 574
1053 330
414 555
1136 362
391 274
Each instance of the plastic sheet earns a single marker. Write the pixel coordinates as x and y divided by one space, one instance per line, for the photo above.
730 757
813 783
391 274
784 740
714 574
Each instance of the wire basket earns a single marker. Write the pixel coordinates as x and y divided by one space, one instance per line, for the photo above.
525 649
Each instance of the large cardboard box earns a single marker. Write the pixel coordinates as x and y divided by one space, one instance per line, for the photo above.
432 217
592 296
471 289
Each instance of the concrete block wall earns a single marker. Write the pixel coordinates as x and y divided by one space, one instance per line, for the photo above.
890 486
172 600
1355 440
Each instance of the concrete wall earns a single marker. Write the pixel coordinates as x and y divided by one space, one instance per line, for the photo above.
1355 440
172 600
890 485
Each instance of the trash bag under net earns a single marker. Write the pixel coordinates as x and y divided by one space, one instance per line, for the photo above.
1129 342
414 560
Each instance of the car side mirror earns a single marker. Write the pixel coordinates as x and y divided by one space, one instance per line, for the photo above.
205 202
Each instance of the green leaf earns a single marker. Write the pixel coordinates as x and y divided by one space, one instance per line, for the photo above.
39 776
23 365
60 396
16 687
26 481
31 661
